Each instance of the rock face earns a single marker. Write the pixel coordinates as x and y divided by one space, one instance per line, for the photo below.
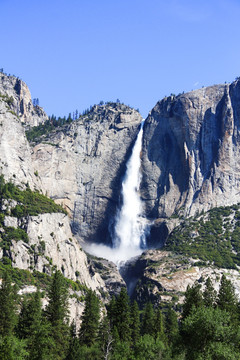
19 100
81 166
51 243
191 154
190 162
15 153
163 277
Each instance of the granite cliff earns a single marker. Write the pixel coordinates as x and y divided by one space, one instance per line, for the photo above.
65 167
190 160
19 100
80 165
190 156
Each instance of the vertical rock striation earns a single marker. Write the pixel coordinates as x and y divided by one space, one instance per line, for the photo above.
20 100
15 153
191 152
81 166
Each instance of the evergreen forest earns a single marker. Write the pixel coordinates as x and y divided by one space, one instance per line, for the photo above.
207 327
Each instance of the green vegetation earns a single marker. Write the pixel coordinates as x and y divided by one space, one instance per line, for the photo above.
46 128
212 237
7 99
208 327
40 133
29 202
24 277
14 234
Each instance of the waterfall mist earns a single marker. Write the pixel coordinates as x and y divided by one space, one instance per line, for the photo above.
129 234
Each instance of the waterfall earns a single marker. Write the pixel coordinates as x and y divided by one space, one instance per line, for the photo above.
131 227
129 234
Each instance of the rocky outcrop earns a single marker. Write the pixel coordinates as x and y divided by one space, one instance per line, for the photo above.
109 273
163 276
52 246
81 164
15 153
191 152
19 100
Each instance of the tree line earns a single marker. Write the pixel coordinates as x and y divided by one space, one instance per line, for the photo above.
208 327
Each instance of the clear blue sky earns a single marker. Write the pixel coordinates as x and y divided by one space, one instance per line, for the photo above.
74 53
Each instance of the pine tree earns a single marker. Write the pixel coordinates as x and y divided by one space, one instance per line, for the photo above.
209 294
193 298
29 319
208 333
57 314
41 345
8 309
135 322
172 329
105 338
33 328
159 326
12 348
122 316
90 320
57 308
226 299
148 320
119 316
111 311
74 350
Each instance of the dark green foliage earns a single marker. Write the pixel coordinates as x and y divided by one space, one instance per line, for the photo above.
149 348
88 352
209 294
171 328
148 320
74 349
41 345
14 234
105 337
121 316
57 314
193 298
121 350
8 305
135 322
209 329
210 237
90 320
226 299
36 132
57 311
34 329
29 319
12 348
24 277
30 202
208 334
159 329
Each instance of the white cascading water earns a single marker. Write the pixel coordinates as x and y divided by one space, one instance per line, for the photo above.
129 235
